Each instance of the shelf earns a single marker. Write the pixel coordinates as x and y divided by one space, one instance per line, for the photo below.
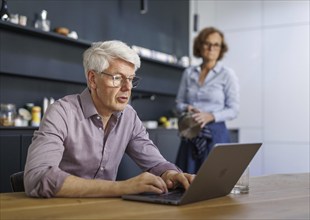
153 92
161 62
18 128
38 33
54 36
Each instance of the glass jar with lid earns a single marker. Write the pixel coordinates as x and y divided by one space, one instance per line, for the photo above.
7 114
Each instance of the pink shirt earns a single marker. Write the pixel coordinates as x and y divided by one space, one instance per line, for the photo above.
71 140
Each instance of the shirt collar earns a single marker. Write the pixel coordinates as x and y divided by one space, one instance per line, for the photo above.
216 69
88 106
87 103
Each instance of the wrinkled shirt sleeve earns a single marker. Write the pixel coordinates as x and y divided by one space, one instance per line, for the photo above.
42 176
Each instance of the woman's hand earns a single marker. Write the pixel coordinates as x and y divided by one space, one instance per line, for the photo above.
203 118
192 109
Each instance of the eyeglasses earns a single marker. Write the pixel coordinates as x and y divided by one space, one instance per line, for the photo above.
208 45
119 80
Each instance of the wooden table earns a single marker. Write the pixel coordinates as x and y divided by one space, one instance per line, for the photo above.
283 196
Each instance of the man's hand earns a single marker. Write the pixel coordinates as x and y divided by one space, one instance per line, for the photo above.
145 182
172 178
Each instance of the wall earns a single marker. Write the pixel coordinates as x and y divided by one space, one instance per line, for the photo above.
269 50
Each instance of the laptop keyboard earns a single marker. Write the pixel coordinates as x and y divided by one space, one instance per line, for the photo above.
171 195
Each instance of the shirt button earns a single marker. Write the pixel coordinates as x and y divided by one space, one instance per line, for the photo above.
100 128
101 168
98 117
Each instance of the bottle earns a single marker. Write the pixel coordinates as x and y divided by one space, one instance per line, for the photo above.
42 22
36 116
45 104
4 13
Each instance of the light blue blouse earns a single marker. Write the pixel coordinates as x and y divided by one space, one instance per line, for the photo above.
218 95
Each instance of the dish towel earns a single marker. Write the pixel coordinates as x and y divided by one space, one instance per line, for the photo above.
200 143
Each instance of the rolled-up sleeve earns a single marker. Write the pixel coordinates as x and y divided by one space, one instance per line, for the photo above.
42 176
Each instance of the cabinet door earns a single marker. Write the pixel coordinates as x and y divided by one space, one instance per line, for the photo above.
128 168
168 143
26 141
9 159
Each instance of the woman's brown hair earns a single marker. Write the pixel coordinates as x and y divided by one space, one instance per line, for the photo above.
202 36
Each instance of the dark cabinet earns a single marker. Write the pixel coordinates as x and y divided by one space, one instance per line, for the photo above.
10 159
167 141
25 143
14 143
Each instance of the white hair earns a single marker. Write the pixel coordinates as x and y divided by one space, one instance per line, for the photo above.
98 56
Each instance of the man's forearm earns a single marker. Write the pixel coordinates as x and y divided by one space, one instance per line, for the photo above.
79 187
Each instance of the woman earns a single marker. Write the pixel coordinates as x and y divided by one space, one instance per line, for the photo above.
210 93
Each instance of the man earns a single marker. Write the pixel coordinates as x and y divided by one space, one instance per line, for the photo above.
82 138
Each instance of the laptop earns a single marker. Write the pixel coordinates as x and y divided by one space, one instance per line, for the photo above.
216 177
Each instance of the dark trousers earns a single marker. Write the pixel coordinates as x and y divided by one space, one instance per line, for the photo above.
185 158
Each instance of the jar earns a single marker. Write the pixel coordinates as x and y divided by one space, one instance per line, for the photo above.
7 114
36 116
